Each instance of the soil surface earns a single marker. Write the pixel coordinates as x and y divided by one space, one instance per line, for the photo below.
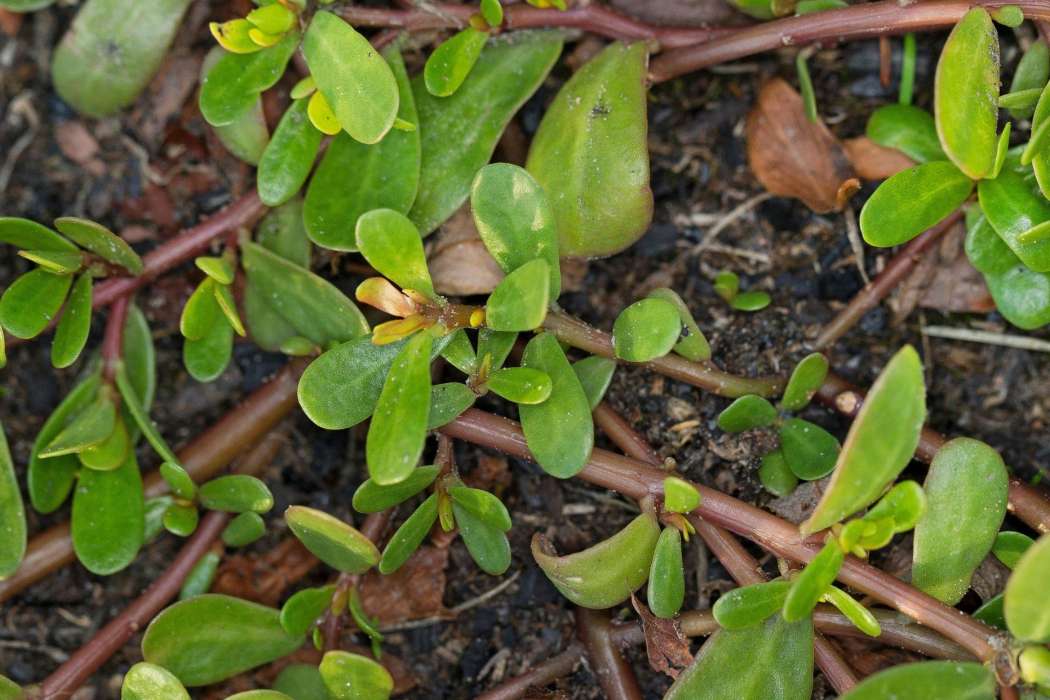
155 169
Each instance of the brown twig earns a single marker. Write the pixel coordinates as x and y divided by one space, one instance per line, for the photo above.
607 664
617 429
861 21
539 675
68 677
893 274
202 458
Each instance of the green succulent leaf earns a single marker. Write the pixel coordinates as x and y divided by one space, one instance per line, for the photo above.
111 51
303 608
880 442
146 681
302 682
694 345
289 157
201 311
235 493
1024 602
209 638
93 424
775 474
447 402
181 520
904 505
409 536
496 344
966 502
1031 73
590 153
260 695
515 220
750 301
391 244
370 497
354 178
910 130
646 330
520 384
604 574
60 262
859 615
399 422
750 605
74 326
459 133
488 545
27 234
805 381
12 514
138 413
232 87
179 480
451 62
965 680
985 249
331 540
912 201
353 77
100 241
559 431
247 135
219 269
482 505
1022 296
519 302
108 519
813 582
354 677
966 94
746 413
810 451
1009 546
492 12
680 496
243 530
666 591
111 452
991 613
32 302
200 578
460 352
772 661
1014 206
207 357
594 374
228 306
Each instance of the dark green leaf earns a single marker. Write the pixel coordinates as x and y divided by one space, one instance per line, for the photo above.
282 233
519 302
1032 72
199 580
12 514
966 93
243 530
482 505
354 178
880 442
353 677
210 638
300 612
460 353
111 452
985 249
1027 614
145 681
559 431
812 583
399 423
459 133
60 262
904 504
201 312
666 591
810 450
409 536
391 244
370 497
232 87
991 613
912 201
247 135
805 380
607 573
1013 206
353 77
1009 546
498 344
750 605
236 493
91 426
142 419
331 540
100 241
694 345
289 157
746 413
179 480
29 235
74 326
1022 296
591 157
207 357
772 661
520 384
965 505
488 545
111 51
594 374
181 520
908 129
450 63
447 402
646 330
775 474
153 516
959 680
340 388
32 302
301 682
108 520
515 220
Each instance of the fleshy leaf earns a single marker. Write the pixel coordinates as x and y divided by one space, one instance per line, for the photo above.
331 540
302 682
959 680
646 330
750 605
100 241
232 87
775 474
354 677
409 536
746 413
1032 73
909 129
1014 206
180 519
289 157
810 451
92 425
235 493
111 452
146 681
30 235
450 63
594 374
488 545
370 497
391 244
75 324
912 201
32 302
519 302
1009 546
447 402
108 519
520 385
12 514
482 505
680 496
302 609
812 583
694 345
805 380
1024 603
666 591
207 357
247 135
243 530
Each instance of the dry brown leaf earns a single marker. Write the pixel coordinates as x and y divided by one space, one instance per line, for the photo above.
943 280
875 162
264 579
460 265
792 156
665 644
10 22
76 143
413 592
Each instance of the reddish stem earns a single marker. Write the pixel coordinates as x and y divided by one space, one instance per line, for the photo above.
613 673
861 21
113 338
899 267
617 429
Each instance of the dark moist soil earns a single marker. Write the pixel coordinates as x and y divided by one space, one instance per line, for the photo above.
156 169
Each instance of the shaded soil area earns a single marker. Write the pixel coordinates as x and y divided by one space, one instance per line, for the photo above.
155 169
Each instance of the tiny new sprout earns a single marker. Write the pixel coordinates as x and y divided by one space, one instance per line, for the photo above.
727 286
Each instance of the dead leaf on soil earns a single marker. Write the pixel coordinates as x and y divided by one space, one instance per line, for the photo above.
76 143
413 592
459 262
794 157
665 644
875 162
264 578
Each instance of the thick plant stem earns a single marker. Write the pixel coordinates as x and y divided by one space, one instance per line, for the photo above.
68 677
704 376
372 528
593 17
113 338
861 21
875 291
614 674
617 429
202 458
637 480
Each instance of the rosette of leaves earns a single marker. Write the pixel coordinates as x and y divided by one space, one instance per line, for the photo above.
67 262
806 451
958 150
